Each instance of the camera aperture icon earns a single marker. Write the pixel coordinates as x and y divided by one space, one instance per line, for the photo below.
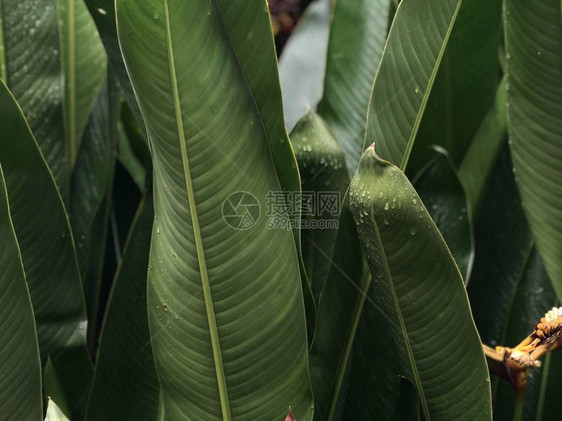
241 210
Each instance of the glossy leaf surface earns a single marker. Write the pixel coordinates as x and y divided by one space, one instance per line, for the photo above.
421 291
228 327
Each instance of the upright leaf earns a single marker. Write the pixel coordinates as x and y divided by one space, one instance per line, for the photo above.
91 190
411 58
30 66
54 413
339 310
103 13
324 182
533 34
465 85
125 383
510 291
227 326
357 37
84 68
443 195
420 288
303 63
43 234
480 159
20 367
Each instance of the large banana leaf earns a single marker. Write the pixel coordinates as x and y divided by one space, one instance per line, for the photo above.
303 63
84 68
43 233
420 289
324 182
125 384
465 85
227 325
30 66
533 33
357 38
20 366
411 58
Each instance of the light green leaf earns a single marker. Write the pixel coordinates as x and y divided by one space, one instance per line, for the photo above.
84 66
479 161
357 37
302 64
227 326
54 413
125 384
411 58
20 366
324 178
30 65
533 33
465 85
420 289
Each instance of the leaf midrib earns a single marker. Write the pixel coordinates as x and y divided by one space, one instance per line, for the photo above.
421 111
211 318
388 278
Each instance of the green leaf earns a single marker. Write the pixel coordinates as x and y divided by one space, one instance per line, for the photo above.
339 310
533 34
84 66
43 233
227 326
420 289
20 368
357 37
443 196
479 161
510 291
465 85
503 247
54 413
128 159
30 65
411 58
53 389
90 199
324 177
103 13
125 384
93 172
302 64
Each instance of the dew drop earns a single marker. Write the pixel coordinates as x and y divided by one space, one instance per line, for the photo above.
412 230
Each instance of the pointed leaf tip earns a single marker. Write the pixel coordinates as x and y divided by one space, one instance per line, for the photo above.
290 416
